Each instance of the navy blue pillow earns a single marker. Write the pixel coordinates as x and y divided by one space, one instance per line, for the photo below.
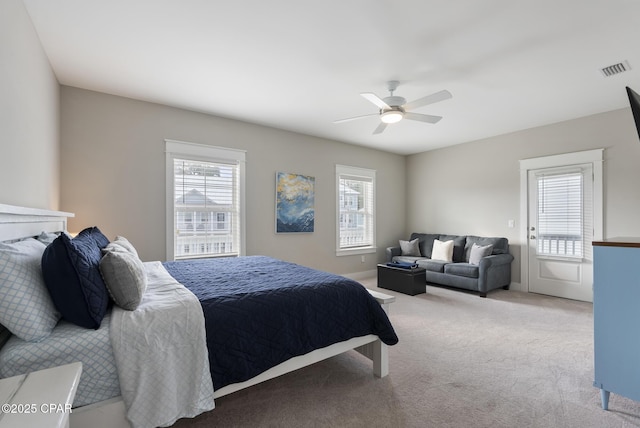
71 271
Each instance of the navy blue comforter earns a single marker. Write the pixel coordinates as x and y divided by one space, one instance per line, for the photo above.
259 312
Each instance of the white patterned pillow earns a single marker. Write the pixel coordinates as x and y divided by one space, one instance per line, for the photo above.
47 238
26 308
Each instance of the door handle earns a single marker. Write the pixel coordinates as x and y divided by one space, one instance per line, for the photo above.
532 237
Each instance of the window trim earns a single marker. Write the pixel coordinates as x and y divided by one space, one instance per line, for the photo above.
206 153
369 174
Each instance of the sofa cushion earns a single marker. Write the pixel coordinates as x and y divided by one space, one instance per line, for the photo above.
500 245
432 265
462 269
458 246
442 250
410 248
425 241
478 252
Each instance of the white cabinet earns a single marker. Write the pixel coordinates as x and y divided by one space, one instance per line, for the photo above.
39 399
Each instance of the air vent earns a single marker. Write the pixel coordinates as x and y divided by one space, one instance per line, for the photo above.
618 68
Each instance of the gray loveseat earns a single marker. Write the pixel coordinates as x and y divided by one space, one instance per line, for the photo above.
491 272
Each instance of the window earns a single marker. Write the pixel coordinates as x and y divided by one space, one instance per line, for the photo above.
560 223
205 198
355 216
221 221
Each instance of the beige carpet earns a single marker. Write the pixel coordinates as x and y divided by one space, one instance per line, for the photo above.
510 360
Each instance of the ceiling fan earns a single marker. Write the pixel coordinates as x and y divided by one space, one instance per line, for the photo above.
393 109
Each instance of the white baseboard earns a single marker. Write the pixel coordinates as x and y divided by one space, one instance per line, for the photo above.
356 276
516 286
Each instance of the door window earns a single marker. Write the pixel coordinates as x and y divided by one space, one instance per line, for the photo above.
560 220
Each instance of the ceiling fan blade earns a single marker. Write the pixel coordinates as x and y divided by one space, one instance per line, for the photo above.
380 128
429 99
422 117
355 118
375 100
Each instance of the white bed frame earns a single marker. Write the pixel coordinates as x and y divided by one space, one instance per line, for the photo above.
20 222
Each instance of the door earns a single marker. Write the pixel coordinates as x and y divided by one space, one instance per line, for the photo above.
560 231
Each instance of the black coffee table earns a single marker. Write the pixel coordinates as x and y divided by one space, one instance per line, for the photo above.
407 281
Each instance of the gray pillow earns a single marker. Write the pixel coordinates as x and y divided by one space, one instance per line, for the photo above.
478 252
124 243
410 248
125 276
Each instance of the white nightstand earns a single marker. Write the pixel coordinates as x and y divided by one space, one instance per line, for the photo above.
39 399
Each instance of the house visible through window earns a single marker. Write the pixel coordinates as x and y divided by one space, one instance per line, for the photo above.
356 224
560 223
205 201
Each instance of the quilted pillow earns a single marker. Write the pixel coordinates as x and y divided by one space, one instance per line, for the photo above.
124 274
410 248
442 250
478 252
26 308
71 270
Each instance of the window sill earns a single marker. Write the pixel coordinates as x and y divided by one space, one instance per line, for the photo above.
356 251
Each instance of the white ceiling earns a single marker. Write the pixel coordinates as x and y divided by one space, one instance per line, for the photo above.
299 65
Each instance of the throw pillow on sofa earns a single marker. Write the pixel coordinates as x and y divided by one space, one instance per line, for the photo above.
442 250
410 248
478 252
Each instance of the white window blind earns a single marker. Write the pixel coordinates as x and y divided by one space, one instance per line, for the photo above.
356 221
204 192
560 214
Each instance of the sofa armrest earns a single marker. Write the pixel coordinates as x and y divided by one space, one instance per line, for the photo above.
494 272
391 252
495 260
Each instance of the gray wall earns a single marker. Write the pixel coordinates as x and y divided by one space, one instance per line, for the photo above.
113 176
474 188
113 165
29 119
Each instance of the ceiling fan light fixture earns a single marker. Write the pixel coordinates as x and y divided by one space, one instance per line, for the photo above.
392 116
393 109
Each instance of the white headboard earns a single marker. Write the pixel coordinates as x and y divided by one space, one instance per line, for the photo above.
21 222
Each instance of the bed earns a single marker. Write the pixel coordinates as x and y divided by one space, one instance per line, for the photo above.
99 401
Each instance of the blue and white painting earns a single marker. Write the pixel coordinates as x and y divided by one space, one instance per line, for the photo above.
295 196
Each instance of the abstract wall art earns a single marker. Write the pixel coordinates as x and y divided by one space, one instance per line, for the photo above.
295 196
